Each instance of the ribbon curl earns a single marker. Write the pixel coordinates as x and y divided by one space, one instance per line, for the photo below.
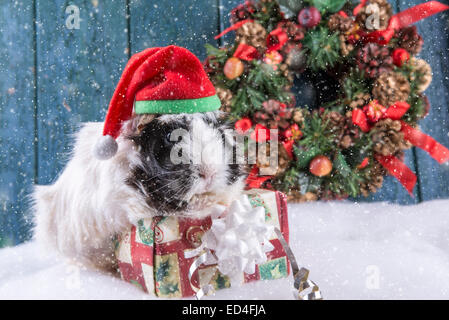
305 288
232 28
419 139
246 52
399 170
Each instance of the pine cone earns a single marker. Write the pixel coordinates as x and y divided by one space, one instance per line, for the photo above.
374 60
410 40
390 88
422 73
345 26
346 47
298 116
351 133
374 179
253 34
285 70
274 114
388 138
343 128
337 22
367 15
225 96
360 100
335 122
243 11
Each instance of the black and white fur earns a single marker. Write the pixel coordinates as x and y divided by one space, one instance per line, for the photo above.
93 200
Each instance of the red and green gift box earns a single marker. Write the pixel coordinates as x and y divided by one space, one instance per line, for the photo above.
152 254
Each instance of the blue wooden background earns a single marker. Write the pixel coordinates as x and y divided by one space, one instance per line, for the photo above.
52 78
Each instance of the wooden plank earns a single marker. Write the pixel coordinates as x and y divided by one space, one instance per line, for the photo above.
17 130
189 24
78 70
434 178
225 7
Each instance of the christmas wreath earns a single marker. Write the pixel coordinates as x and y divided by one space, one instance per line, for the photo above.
367 116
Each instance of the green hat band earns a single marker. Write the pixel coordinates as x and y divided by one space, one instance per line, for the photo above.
207 104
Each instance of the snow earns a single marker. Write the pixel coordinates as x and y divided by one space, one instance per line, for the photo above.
353 251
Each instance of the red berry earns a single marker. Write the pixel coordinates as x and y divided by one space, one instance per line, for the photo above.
309 17
400 56
243 125
320 166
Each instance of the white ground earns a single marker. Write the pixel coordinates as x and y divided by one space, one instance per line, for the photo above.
354 251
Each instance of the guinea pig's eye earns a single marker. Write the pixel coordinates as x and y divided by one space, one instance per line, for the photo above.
167 139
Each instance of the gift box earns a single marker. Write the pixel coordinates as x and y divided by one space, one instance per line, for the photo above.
152 254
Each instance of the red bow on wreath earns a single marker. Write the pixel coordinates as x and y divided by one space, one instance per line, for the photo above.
374 112
246 52
400 20
276 39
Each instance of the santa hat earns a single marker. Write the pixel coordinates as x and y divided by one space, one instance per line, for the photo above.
165 80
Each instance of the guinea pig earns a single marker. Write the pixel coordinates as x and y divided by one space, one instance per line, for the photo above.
156 171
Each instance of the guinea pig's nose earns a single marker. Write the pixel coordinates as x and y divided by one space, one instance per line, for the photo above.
207 173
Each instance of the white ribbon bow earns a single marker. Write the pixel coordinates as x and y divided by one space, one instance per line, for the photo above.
240 240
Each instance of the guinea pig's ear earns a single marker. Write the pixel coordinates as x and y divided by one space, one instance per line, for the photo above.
133 127
143 121
137 124
221 115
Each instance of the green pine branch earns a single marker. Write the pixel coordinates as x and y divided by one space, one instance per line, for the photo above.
355 83
259 84
416 100
323 48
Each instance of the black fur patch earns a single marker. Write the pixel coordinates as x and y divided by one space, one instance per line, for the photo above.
162 182
235 171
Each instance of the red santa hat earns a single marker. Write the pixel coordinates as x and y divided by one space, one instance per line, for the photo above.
167 80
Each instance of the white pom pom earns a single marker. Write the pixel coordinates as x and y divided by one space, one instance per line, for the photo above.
105 148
